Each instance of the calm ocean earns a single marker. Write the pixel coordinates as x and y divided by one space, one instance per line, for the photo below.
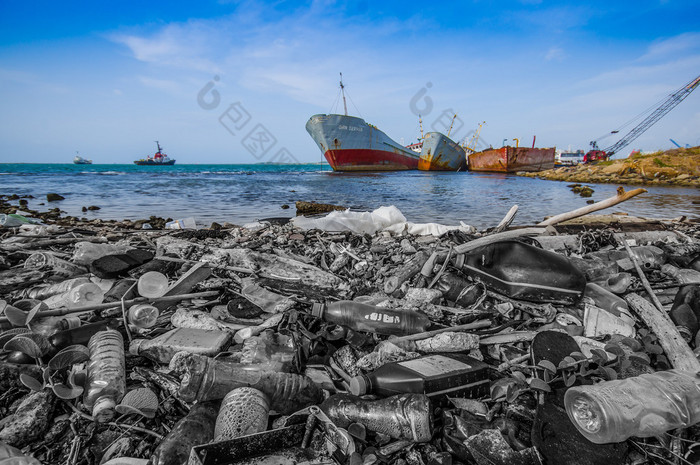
243 193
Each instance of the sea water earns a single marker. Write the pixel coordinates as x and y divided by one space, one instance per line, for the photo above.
243 193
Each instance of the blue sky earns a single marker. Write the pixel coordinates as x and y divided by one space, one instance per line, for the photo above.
109 78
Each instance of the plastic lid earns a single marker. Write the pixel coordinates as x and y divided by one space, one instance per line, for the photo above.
358 386
318 310
135 346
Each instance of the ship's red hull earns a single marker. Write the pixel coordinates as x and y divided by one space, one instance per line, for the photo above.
512 159
369 160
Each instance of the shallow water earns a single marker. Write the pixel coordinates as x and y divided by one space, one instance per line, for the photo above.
243 193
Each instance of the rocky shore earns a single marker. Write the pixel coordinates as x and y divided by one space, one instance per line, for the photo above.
678 167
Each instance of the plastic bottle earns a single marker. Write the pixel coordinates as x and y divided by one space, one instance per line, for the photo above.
616 283
82 334
647 256
209 379
143 315
363 317
84 253
194 429
106 376
643 406
607 301
46 261
276 350
525 272
196 341
458 290
243 411
682 275
152 284
406 416
80 296
49 326
455 374
46 291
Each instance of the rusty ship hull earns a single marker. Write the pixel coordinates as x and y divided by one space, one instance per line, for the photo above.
440 153
512 159
351 144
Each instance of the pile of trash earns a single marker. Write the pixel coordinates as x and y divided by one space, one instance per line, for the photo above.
305 342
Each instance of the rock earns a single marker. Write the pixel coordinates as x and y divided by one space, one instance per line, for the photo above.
93 207
285 207
54 197
31 420
313 208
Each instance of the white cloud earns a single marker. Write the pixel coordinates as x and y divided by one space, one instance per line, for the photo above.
555 53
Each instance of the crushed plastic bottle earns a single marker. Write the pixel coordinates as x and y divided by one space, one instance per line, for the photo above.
243 411
46 261
106 376
84 253
46 291
682 275
161 349
406 416
83 295
362 317
643 406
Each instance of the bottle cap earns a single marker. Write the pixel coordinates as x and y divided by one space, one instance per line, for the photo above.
72 322
103 410
358 386
135 346
318 310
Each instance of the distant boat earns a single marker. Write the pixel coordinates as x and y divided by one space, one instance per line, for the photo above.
440 153
569 158
78 160
159 158
512 159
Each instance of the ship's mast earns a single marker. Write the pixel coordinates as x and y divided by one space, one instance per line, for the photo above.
451 124
342 89
158 144
420 123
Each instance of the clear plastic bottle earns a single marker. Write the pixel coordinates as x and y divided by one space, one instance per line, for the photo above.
80 296
616 283
46 261
243 411
406 416
682 275
455 374
106 375
196 341
363 317
209 379
143 315
84 253
46 291
152 284
194 429
49 326
607 301
643 406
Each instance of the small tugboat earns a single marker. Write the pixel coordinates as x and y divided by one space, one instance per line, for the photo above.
78 160
158 159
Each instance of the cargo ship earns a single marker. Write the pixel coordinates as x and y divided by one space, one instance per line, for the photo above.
440 153
158 159
512 159
78 160
350 143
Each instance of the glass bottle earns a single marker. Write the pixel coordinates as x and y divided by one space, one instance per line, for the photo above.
643 406
80 296
362 317
454 374
106 375
143 315
196 341
209 379
152 284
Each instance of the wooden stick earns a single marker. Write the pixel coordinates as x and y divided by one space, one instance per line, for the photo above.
677 350
502 236
620 197
507 220
427 334
508 338
406 272
645 282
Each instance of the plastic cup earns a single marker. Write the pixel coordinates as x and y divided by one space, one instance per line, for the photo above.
152 284
143 315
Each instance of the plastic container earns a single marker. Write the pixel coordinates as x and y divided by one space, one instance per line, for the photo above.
455 375
106 376
682 275
195 428
616 283
209 379
152 284
82 334
83 295
608 301
143 315
44 292
243 411
522 271
183 223
195 341
363 317
84 253
46 261
644 406
406 416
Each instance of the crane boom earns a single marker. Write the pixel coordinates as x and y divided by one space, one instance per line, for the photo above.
668 105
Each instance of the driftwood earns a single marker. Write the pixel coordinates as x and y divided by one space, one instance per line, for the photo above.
508 338
405 273
677 350
620 197
507 220
50 242
502 236
427 334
